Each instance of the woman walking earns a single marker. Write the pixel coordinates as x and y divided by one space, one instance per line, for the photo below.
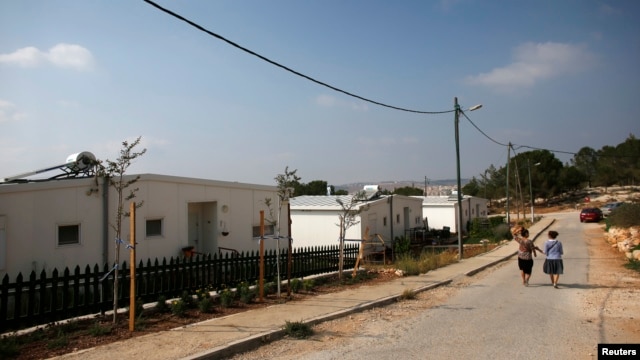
525 250
553 264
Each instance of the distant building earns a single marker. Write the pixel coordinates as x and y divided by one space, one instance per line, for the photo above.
441 211
315 221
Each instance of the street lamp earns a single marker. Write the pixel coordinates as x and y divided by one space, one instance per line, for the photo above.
457 136
531 188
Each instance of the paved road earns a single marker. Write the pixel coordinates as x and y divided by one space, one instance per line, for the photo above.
497 317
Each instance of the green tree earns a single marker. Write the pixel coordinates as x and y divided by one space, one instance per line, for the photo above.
586 161
408 191
316 187
472 187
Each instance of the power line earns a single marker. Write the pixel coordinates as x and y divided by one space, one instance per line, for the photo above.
287 68
512 145
201 28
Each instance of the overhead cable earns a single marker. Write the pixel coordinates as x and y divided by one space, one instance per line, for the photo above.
287 68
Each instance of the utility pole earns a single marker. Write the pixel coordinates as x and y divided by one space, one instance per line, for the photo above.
456 126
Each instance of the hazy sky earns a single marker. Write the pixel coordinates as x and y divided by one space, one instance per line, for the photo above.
86 75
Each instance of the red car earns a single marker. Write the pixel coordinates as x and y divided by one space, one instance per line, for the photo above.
591 214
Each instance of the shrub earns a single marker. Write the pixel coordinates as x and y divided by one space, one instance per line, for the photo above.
161 305
298 329
270 287
206 305
408 294
179 308
296 285
308 284
501 232
402 245
408 265
9 347
226 297
625 216
187 299
633 265
246 293
203 293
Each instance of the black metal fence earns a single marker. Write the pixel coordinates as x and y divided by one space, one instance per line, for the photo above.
43 299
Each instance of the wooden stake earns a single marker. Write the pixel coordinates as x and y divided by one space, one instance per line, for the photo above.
132 258
261 279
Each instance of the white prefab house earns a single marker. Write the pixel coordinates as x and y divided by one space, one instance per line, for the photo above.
441 211
65 223
315 221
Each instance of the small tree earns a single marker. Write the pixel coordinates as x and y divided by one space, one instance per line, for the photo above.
348 218
286 184
114 173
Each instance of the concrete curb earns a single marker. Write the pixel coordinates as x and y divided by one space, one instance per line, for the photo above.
255 341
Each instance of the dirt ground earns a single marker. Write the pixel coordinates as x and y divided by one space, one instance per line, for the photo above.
612 304
65 338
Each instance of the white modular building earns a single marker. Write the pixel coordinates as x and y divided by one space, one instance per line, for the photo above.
71 222
315 219
442 211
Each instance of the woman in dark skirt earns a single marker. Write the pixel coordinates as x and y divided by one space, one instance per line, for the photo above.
525 250
553 264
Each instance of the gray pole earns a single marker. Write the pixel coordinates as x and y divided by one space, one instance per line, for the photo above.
508 162
530 189
456 122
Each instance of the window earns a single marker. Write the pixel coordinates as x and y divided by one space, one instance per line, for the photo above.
268 230
397 218
154 227
68 234
384 221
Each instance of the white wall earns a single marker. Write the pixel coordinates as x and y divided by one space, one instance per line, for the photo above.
32 213
318 227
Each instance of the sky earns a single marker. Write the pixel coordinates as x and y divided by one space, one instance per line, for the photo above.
87 75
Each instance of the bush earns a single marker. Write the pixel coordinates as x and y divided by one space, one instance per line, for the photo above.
408 265
188 299
246 293
408 294
179 308
625 216
270 287
161 305
296 285
501 232
308 284
298 329
226 297
425 262
206 305
9 347
402 245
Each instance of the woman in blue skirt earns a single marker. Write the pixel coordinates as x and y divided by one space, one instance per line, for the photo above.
553 264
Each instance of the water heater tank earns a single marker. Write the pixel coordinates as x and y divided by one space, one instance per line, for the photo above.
80 161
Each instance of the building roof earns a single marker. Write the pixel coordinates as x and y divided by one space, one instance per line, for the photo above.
440 200
320 202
